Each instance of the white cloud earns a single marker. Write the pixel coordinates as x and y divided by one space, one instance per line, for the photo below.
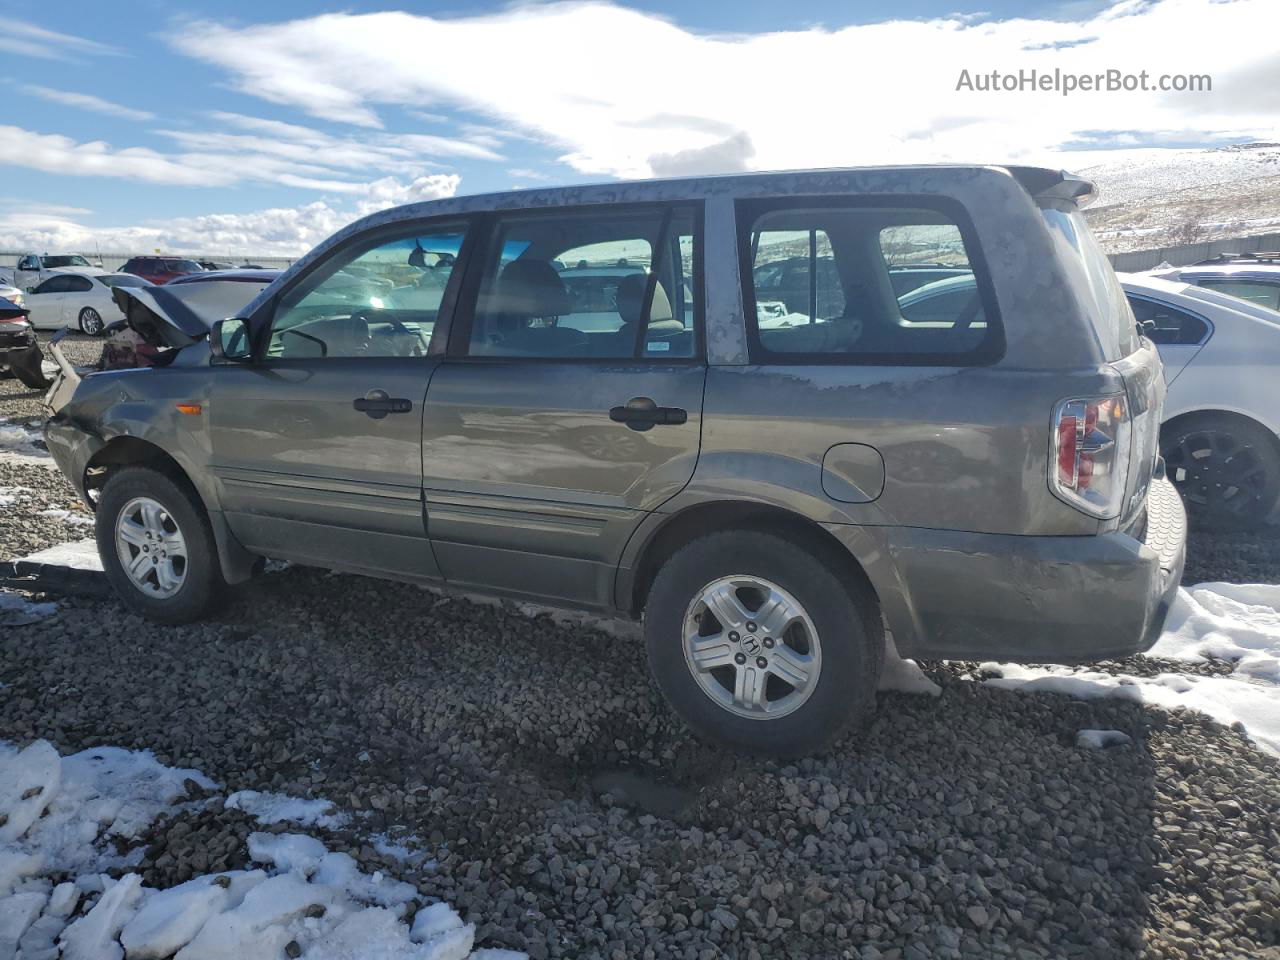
625 93
280 231
86 101
19 36
258 151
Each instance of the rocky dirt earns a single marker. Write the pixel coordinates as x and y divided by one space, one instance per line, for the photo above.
550 794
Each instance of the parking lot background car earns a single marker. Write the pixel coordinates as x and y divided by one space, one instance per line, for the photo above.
33 269
1252 277
20 354
160 269
1221 436
78 300
768 498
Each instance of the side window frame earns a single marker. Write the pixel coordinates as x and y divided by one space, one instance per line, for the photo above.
485 234
1165 305
263 319
748 212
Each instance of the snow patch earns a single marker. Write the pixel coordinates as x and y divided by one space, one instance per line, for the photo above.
903 676
61 814
1237 622
17 611
1101 739
19 444
268 808
79 555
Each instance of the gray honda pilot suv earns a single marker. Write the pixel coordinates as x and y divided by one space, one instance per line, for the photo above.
571 396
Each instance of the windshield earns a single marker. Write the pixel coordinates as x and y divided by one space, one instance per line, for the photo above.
74 260
1094 281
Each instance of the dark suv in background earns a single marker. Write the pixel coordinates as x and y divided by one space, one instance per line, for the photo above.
160 269
982 478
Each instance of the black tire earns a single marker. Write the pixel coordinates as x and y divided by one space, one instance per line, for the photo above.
1226 468
91 322
845 614
202 584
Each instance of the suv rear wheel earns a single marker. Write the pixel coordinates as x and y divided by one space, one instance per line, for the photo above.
757 643
156 546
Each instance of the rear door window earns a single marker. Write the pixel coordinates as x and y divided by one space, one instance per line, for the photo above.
589 284
1255 291
823 286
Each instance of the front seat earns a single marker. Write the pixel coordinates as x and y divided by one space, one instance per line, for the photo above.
528 291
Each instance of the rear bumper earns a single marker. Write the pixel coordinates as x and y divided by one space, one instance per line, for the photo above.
971 596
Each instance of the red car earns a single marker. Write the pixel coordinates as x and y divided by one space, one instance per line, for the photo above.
160 269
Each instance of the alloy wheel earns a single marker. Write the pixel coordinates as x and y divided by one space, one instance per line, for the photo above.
751 647
151 548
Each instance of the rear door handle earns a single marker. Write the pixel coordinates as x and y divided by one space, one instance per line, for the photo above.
376 404
642 413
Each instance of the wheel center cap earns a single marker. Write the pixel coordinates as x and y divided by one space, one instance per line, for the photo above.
751 644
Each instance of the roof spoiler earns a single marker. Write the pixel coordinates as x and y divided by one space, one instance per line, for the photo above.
1044 184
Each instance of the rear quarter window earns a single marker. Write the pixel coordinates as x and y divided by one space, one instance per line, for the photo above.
823 283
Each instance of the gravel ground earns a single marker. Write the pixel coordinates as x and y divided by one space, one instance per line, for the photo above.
559 803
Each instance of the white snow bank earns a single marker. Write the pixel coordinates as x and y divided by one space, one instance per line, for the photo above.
16 610
271 808
67 516
1227 621
60 814
1238 622
78 554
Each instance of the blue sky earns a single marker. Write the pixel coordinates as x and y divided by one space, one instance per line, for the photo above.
251 126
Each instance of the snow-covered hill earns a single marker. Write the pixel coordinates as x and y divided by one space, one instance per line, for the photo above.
1157 197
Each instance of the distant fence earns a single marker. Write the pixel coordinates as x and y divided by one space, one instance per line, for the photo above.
1179 256
114 260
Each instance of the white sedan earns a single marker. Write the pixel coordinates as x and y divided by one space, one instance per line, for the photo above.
1221 433
77 300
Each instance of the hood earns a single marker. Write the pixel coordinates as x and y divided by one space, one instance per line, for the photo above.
161 320
180 313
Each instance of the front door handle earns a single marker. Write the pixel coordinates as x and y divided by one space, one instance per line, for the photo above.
642 413
376 404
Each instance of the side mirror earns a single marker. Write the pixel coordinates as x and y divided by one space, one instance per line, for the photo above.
229 341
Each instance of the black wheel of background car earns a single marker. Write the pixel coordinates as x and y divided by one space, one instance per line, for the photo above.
1226 468
91 322
758 643
157 547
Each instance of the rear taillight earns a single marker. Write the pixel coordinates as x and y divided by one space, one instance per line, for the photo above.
1090 454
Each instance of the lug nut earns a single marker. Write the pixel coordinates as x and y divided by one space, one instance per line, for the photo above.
751 626
768 642
739 658
761 662
733 635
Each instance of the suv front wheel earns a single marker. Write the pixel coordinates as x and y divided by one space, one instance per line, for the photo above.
156 546
756 642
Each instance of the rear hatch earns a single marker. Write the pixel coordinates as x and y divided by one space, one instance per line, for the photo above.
1060 198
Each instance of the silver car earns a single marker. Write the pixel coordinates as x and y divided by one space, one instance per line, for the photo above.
422 397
